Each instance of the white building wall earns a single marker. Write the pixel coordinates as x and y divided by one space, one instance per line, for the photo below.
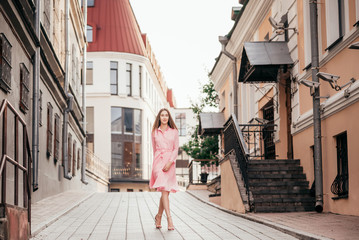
99 97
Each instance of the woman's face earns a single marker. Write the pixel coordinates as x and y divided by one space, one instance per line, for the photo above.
164 117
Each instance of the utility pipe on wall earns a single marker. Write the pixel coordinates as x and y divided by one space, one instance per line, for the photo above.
69 96
84 121
224 41
318 174
35 102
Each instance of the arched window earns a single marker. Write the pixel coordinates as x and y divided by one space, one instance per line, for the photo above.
89 33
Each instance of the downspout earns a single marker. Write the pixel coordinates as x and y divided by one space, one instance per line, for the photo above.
84 63
35 103
318 174
68 95
235 85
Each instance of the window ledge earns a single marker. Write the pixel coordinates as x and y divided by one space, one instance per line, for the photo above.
334 43
340 197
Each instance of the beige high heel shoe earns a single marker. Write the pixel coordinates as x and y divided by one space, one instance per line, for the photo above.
156 220
170 228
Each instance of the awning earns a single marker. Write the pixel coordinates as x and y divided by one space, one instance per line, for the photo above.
210 123
261 61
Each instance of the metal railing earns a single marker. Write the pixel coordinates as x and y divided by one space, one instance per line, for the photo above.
255 137
234 140
195 170
97 166
340 185
15 160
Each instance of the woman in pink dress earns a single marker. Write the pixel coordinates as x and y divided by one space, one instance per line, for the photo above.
165 151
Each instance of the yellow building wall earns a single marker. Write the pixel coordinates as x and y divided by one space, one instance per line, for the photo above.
230 196
331 127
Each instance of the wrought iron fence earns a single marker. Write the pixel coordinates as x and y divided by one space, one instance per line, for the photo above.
256 136
18 154
198 173
234 140
340 185
96 166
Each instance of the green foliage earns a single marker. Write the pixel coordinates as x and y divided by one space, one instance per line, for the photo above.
203 147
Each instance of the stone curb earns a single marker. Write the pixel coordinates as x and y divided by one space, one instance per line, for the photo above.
47 223
285 229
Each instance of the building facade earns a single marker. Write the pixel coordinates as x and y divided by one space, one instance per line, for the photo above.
125 91
278 94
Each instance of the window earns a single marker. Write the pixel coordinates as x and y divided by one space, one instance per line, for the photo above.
5 63
89 33
140 79
57 138
90 3
69 153
335 21
40 107
137 117
46 18
180 120
222 104
113 77
306 35
126 144
357 11
78 158
90 128
129 79
89 73
24 88
49 129
340 186
116 120
128 114
74 159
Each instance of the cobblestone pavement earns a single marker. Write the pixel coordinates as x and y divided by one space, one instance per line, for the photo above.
131 216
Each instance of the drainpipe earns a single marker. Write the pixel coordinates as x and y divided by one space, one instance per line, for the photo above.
224 41
318 174
35 103
69 97
84 62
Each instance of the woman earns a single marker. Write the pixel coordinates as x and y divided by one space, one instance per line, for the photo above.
165 151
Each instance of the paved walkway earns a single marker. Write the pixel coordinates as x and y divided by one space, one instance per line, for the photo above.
329 225
130 216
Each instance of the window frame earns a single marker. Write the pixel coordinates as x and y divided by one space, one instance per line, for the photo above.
89 33
114 84
140 79
129 79
24 88
335 35
88 70
49 130
57 138
5 63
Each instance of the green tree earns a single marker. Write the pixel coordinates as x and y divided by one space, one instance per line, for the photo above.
203 147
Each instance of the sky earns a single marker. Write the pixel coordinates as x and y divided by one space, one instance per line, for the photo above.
184 38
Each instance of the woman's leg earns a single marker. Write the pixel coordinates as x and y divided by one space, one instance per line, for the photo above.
166 206
159 213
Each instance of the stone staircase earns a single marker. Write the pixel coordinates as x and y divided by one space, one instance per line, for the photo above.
279 186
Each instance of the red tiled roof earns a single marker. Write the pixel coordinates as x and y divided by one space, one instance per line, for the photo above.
115 28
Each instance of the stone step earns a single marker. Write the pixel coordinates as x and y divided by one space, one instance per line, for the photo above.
278 183
259 172
283 187
274 162
297 199
279 191
283 208
276 176
255 168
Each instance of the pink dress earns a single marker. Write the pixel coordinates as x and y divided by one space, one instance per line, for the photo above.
165 148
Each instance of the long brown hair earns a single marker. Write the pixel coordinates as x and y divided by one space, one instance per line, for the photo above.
157 122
